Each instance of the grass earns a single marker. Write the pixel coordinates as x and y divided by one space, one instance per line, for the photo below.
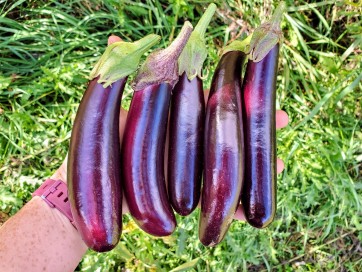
47 49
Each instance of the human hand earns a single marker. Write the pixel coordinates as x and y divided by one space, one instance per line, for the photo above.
281 121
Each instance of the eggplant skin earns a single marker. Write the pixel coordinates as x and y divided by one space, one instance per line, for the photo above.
259 88
94 166
223 150
187 117
143 151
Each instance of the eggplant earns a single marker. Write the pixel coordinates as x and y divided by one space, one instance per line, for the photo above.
93 172
143 160
223 150
258 92
94 166
145 136
187 117
259 193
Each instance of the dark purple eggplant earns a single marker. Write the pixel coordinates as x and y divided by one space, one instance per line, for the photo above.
145 136
187 117
93 173
94 166
259 193
223 150
143 160
258 92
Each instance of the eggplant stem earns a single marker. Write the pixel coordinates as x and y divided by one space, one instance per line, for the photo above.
161 65
267 35
195 51
175 48
278 15
204 21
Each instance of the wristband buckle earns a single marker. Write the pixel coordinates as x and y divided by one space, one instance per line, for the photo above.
55 194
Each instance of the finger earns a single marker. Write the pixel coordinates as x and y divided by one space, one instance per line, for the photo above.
280 166
113 39
240 215
122 123
125 208
282 119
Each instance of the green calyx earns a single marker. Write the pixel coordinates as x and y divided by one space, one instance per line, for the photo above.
195 51
161 65
267 35
121 59
238 45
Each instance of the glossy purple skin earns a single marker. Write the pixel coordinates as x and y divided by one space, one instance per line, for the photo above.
223 150
143 160
259 192
93 173
187 117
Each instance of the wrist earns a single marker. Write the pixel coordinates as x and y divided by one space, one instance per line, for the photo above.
52 217
60 226
55 194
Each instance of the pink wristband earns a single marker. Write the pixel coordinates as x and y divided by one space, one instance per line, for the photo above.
55 194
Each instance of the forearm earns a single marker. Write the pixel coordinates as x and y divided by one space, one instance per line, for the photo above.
39 238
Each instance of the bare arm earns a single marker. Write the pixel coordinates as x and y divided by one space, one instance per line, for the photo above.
40 238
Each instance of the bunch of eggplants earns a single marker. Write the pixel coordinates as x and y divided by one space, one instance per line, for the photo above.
240 140
230 141
143 146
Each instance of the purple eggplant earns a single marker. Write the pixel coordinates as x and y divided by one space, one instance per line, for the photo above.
187 117
258 92
259 193
223 150
94 166
143 160
93 173
145 136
